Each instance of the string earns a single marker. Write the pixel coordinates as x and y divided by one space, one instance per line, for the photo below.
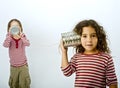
49 45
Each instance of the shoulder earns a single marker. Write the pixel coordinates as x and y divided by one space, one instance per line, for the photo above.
106 55
76 56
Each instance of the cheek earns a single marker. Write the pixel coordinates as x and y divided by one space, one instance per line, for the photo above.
82 41
96 41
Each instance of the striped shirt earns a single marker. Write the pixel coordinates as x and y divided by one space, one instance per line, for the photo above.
16 50
92 71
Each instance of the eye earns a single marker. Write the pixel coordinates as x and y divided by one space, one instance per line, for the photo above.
84 36
93 35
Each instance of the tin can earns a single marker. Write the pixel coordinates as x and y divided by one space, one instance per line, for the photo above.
70 39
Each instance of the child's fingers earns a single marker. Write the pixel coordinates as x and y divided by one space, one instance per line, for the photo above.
62 46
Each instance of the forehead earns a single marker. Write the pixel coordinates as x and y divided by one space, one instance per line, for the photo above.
14 23
88 30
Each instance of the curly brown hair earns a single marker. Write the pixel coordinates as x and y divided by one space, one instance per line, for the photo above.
102 45
9 24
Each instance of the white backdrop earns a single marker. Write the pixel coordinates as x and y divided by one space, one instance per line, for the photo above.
43 22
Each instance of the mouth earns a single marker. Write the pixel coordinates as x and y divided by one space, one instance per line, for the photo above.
89 44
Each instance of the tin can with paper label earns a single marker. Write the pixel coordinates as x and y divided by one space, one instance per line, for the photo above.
70 39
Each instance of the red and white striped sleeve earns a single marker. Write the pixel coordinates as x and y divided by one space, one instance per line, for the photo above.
70 69
25 40
111 77
7 41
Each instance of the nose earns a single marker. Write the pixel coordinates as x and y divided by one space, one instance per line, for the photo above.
89 39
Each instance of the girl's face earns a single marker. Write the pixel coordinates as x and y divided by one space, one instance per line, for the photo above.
89 40
15 23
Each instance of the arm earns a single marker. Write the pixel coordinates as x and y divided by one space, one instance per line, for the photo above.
111 75
64 62
7 41
68 68
25 40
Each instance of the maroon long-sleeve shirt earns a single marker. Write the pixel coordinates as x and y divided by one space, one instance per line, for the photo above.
16 50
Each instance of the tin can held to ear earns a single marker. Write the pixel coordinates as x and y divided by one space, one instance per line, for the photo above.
70 39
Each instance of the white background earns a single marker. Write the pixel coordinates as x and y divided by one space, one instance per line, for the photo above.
43 22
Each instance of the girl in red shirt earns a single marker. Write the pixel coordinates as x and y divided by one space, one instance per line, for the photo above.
16 42
92 63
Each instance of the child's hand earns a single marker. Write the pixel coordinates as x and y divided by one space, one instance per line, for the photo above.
63 49
17 36
22 35
8 36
